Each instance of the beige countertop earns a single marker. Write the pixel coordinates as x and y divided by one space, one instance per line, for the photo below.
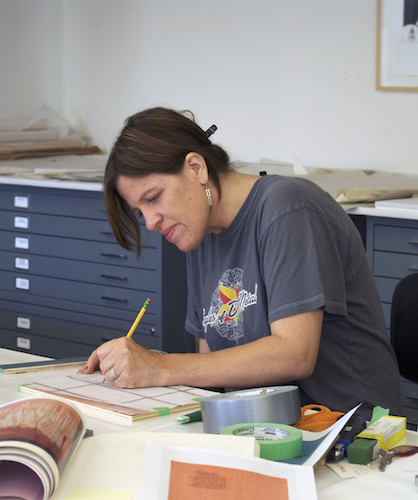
86 173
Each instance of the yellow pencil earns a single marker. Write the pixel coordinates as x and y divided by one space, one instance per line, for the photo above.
138 318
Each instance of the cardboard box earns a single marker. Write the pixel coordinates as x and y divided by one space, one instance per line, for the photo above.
387 430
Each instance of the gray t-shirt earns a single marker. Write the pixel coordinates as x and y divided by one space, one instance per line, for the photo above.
291 249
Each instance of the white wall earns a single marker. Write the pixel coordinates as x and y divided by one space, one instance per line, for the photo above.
30 57
278 77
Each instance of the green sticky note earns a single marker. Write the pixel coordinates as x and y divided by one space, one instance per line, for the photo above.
98 494
163 411
378 412
21 385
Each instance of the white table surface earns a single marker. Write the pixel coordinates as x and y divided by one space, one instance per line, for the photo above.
325 478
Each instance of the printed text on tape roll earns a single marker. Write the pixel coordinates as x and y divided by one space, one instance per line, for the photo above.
277 442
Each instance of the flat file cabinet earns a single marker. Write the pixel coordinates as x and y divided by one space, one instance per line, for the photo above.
392 248
66 286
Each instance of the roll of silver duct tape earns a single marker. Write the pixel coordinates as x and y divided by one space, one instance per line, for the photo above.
277 404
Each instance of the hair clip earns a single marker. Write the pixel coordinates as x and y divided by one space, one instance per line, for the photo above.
211 130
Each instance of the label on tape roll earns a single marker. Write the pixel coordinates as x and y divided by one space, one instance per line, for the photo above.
277 441
262 433
252 392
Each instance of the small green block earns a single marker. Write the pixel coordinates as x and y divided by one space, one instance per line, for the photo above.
360 451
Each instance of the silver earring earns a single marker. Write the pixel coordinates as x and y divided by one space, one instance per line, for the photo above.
209 195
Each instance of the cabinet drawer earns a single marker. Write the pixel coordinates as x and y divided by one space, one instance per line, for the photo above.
386 313
89 251
51 225
394 265
29 321
386 287
69 347
409 394
37 319
43 346
411 415
26 199
74 270
68 329
66 227
396 239
165 313
74 291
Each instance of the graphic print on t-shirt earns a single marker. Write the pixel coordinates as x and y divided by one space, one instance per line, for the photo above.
228 303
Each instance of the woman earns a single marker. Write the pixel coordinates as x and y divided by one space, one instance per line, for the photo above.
279 286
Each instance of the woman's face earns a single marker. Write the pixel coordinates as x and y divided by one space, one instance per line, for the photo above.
174 205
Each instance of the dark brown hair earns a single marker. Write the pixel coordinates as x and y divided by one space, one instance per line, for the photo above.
154 140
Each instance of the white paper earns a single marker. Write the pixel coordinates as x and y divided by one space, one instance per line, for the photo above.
398 481
154 484
347 470
316 444
115 460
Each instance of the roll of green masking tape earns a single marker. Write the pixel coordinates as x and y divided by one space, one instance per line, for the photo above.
277 441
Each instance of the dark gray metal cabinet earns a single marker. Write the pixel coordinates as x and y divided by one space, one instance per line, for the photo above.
66 286
392 248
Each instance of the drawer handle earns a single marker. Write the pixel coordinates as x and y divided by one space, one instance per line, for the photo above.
116 299
412 396
110 276
413 242
412 268
118 255
106 232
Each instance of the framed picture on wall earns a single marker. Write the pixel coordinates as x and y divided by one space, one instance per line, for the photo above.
397 45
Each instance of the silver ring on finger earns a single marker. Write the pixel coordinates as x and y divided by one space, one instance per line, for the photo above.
112 374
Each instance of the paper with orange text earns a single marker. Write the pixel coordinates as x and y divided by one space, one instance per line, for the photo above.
176 473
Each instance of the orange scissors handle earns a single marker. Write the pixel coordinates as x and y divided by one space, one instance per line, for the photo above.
319 419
